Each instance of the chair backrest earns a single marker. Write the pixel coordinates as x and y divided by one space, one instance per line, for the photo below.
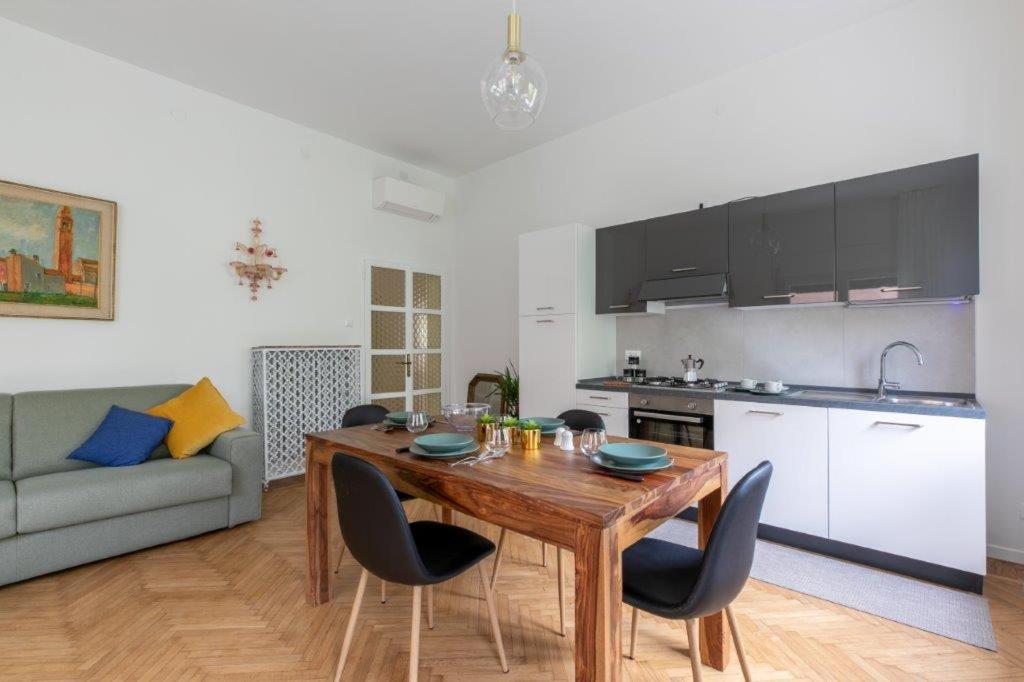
361 415
577 420
484 388
373 522
730 549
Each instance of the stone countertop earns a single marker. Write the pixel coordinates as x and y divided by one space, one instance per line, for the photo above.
973 410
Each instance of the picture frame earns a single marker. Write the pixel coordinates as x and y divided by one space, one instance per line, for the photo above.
57 254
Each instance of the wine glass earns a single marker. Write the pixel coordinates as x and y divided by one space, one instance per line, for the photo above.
591 441
417 422
498 442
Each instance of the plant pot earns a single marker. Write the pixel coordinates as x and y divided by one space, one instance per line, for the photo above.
513 434
531 439
484 431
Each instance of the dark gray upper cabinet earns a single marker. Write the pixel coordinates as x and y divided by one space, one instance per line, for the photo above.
911 233
782 248
620 268
691 243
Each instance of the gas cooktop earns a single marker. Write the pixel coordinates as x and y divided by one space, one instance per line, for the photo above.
679 382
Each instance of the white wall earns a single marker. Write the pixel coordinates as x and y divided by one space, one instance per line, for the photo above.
188 171
927 81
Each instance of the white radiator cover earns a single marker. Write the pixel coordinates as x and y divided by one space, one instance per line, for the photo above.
298 390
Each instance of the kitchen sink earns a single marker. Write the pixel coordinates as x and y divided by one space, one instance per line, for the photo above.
918 400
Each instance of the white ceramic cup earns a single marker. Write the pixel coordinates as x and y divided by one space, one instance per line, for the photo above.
748 383
773 386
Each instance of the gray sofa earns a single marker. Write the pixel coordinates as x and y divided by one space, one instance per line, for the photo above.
56 513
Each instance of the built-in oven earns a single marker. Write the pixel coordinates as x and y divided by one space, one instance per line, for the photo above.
672 419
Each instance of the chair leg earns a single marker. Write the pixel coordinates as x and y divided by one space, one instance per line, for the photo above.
430 607
414 642
633 626
437 512
347 642
543 554
383 592
341 555
561 593
495 629
740 652
693 638
497 557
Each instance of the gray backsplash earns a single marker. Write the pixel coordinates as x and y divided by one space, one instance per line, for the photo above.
826 345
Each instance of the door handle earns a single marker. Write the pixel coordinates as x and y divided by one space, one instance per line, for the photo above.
543 321
770 296
621 305
907 425
599 397
408 365
886 290
545 307
690 268
668 417
770 413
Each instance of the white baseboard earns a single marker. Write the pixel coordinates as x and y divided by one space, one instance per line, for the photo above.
1006 554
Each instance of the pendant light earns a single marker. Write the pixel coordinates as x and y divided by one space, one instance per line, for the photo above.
513 89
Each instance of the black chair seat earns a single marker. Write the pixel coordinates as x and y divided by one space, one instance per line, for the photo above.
446 550
659 576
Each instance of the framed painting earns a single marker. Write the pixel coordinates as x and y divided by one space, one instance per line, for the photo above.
56 254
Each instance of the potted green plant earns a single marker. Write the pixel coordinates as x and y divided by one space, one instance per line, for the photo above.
508 389
510 425
530 432
485 425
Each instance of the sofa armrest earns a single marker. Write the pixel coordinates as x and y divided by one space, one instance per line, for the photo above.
243 450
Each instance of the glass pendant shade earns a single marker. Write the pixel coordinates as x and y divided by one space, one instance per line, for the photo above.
513 91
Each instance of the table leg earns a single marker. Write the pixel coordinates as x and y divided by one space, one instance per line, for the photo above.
318 494
714 644
598 651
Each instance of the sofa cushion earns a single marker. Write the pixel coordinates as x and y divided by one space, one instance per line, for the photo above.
200 414
71 497
48 425
123 438
6 403
8 526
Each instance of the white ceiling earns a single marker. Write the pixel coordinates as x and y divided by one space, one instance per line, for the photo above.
402 76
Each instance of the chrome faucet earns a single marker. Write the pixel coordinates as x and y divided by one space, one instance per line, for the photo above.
883 383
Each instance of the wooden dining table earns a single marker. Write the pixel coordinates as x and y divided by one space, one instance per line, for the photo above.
555 496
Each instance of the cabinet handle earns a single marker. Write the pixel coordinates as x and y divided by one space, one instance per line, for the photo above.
543 321
690 268
599 397
770 296
907 425
768 412
886 290
603 414
621 305
545 307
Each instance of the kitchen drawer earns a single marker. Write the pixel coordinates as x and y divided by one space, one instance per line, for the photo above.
587 396
616 419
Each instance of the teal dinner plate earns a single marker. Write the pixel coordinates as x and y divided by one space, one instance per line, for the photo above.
397 417
388 422
548 425
443 442
632 453
417 450
655 465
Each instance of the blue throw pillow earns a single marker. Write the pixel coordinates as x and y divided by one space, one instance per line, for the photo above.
123 438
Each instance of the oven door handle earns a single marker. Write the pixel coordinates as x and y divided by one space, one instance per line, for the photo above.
669 417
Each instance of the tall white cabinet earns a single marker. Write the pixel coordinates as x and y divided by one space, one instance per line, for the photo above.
561 338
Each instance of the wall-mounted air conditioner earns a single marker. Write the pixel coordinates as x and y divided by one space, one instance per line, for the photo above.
407 199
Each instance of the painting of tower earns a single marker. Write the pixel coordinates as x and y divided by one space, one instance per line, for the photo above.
63 240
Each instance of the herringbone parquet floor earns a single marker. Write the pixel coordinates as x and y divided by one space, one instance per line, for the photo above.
231 604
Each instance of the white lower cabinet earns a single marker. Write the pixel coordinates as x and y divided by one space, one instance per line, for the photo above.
795 440
911 485
613 406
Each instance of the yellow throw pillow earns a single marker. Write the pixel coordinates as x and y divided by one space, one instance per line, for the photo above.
200 414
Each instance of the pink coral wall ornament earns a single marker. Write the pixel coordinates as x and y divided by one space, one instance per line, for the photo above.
256 270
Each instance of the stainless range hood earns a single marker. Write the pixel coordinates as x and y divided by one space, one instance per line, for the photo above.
688 290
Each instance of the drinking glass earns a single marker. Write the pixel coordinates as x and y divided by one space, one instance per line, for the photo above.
591 441
417 422
498 442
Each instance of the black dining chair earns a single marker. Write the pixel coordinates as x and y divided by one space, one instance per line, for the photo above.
682 583
420 554
577 420
363 415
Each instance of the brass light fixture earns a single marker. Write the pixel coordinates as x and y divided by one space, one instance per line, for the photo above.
514 88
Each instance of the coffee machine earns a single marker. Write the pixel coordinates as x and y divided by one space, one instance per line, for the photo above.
632 372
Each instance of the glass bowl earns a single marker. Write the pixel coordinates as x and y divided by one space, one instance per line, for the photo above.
463 416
